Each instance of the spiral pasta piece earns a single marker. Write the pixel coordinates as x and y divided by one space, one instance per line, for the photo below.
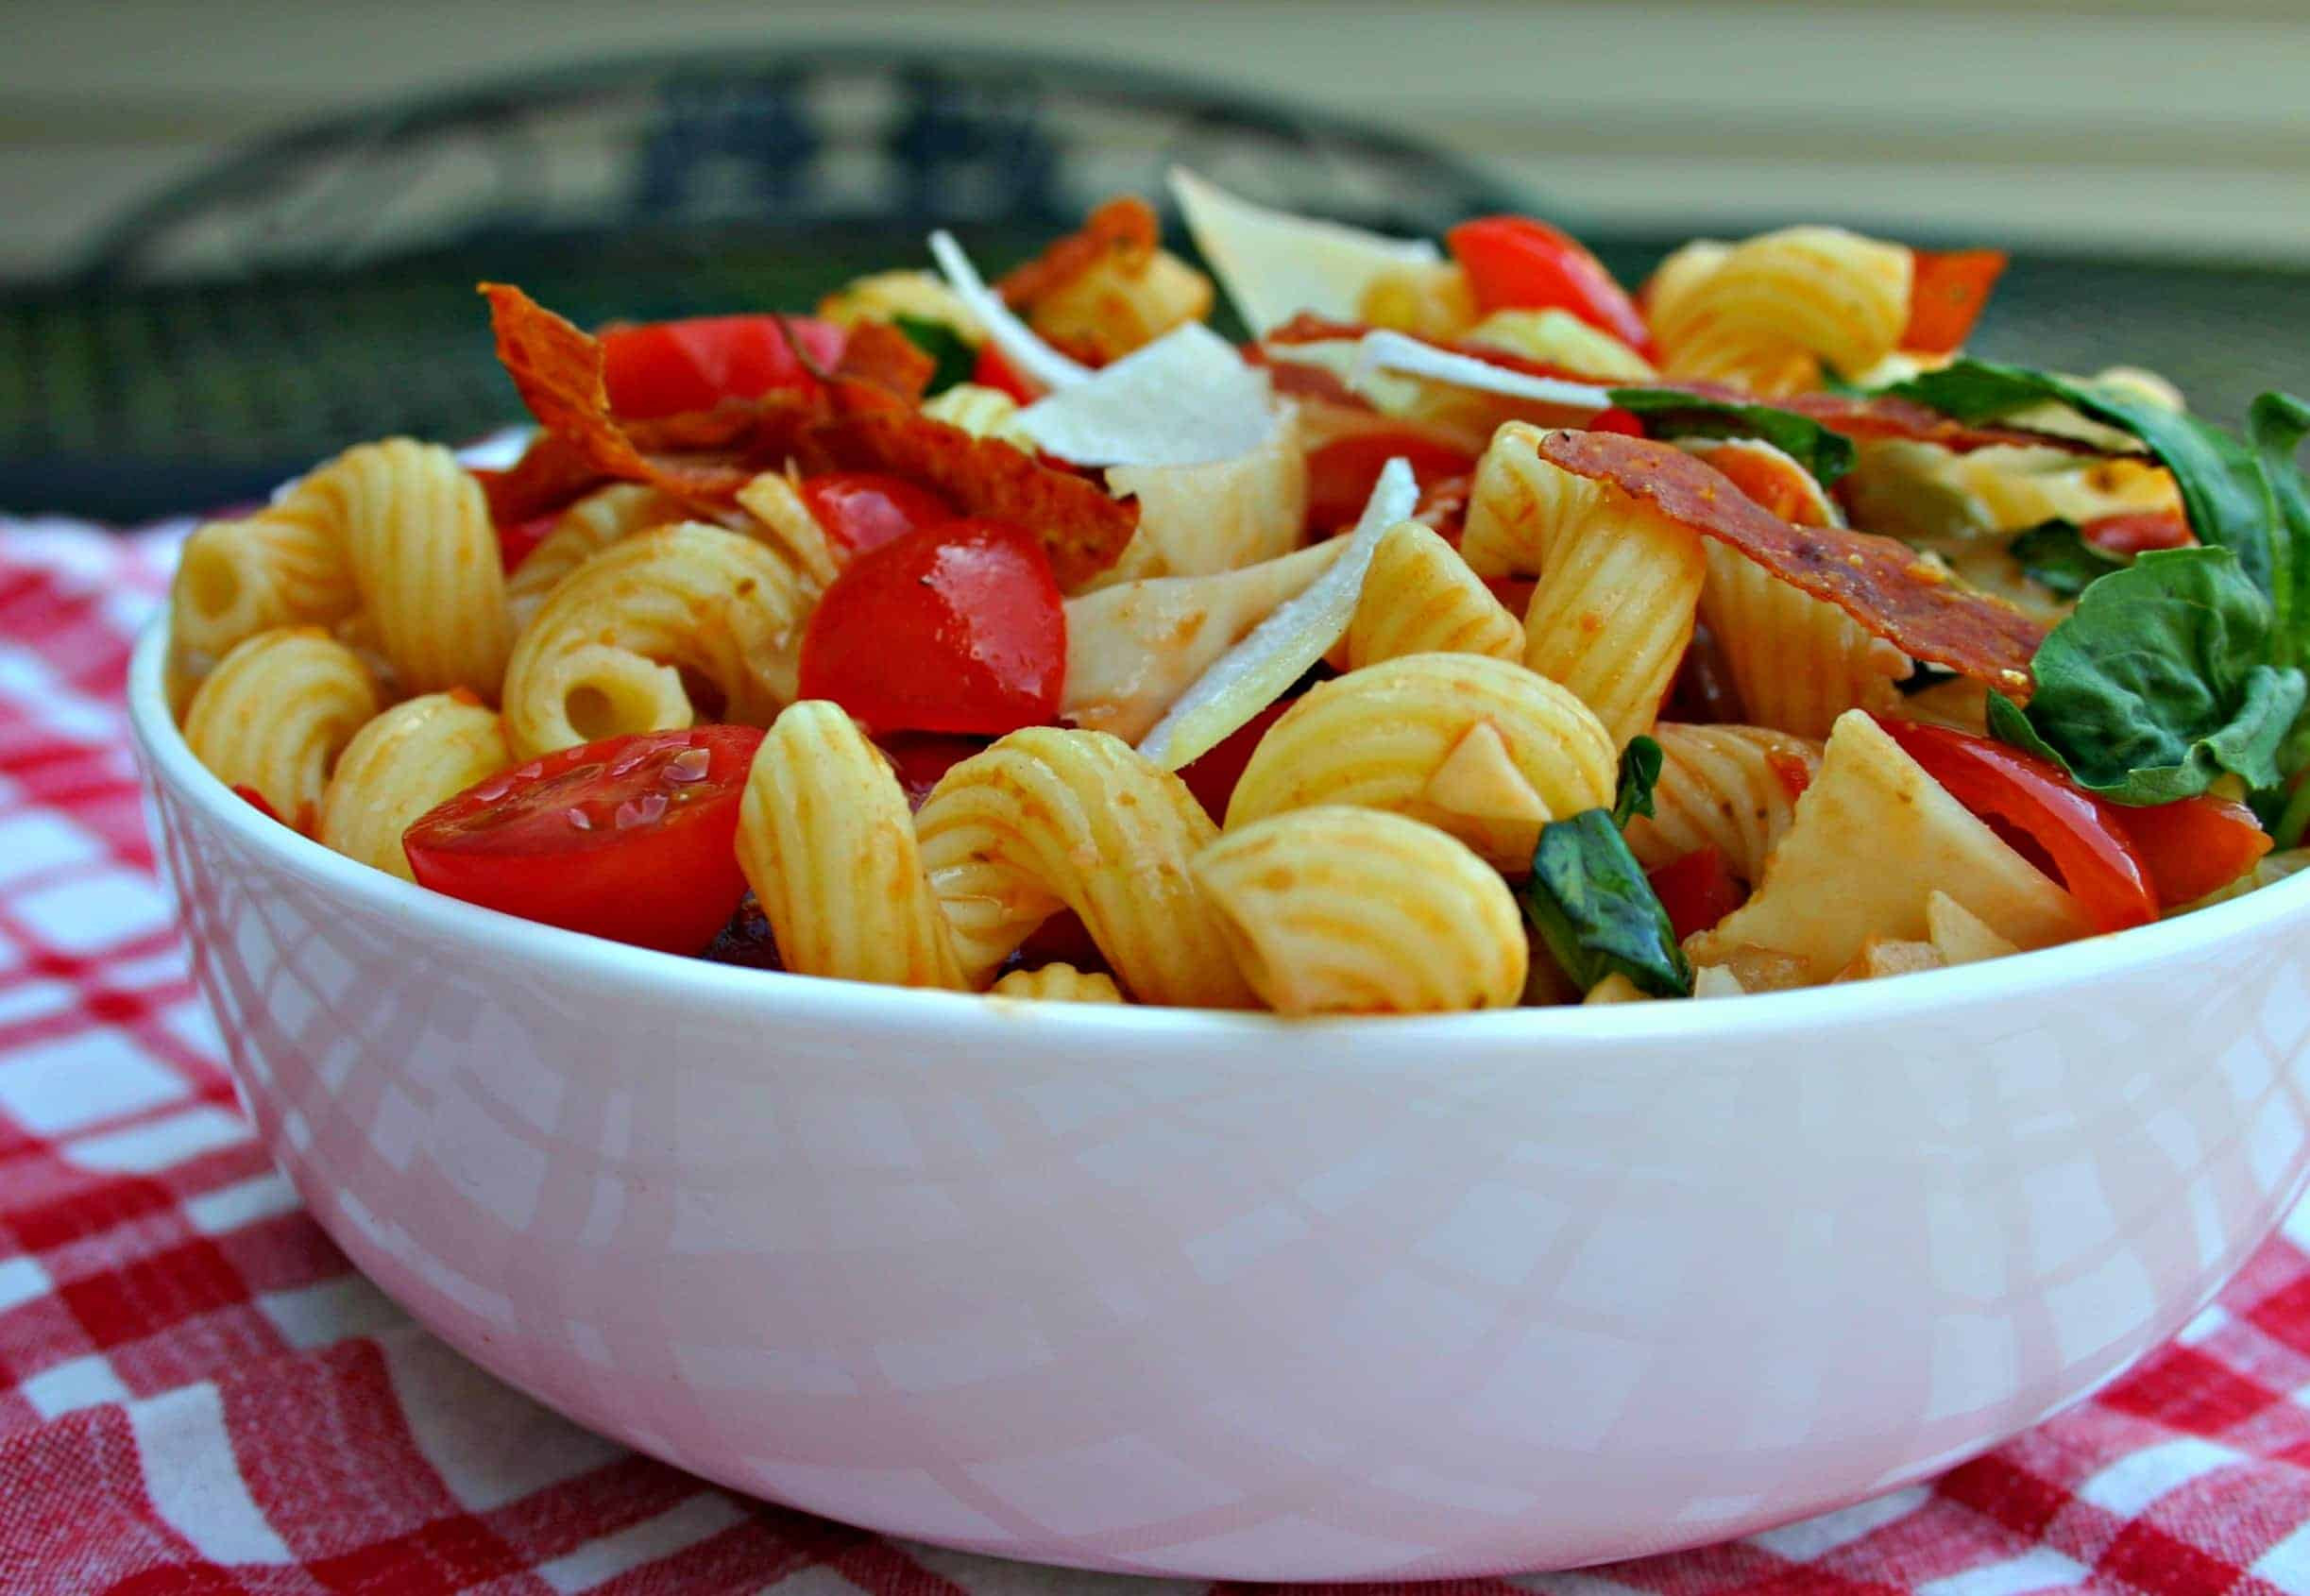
1619 584
826 842
284 566
1561 339
606 653
417 754
275 714
1336 910
1420 597
1050 819
1058 983
919 295
593 523
1430 301
983 412
1798 662
1733 789
1480 748
1769 312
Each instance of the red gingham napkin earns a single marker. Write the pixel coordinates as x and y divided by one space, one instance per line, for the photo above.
198 1393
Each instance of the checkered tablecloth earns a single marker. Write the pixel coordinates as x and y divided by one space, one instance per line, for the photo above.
198 1393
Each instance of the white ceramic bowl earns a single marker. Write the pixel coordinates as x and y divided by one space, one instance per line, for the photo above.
1217 1295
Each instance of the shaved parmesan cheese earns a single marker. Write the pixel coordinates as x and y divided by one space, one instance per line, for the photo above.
1275 264
1187 398
1027 354
1253 674
1393 351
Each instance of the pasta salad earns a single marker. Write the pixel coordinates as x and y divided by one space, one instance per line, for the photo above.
1475 634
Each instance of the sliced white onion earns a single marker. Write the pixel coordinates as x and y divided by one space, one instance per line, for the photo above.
1185 400
1275 264
1394 351
1027 354
1253 674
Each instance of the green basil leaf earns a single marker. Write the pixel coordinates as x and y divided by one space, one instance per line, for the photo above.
1595 911
2159 682
1639 770
1827 456
2225 493
2274 429
2055 556
956 358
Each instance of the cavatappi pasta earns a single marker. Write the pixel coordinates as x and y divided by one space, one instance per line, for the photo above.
1739 638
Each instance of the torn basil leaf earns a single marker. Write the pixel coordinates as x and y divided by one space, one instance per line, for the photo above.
1639 770
2159 682
1674 412
1596 913
2055 556
956 359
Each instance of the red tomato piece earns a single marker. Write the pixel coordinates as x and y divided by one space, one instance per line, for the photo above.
670 367
1519 263
2139 532
991 370
631 838
1617 420
1697 889
1947 291
257 801
953 628
1064 939
2195 845
1213 776
862 510
518 540
923 758
2082 837
1341 473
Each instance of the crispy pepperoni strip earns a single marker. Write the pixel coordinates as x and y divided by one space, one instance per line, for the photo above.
1125 226
1877 581
881 369
1082 528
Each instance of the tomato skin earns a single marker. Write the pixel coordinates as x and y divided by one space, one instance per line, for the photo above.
518 540
653 862
2195 845
670 367
1520 262
1617 420
1341 474
921 759
1211 775
257 801
1948 290
862 510
991 370
1697 889
2083 836
951 628
2139 532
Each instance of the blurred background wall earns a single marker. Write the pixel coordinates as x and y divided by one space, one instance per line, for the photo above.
2177 130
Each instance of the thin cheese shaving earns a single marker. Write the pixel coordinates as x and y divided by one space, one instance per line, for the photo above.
1393 351
1280 650
1185 400
1274 265
1029 355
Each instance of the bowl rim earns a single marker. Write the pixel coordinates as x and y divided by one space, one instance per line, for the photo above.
596 961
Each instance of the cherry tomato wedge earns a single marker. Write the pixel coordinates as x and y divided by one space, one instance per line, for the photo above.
991 370
257 801
1519 263
1947 291
952 628
2195 845
862 510
1340 474
1617 420
1697 889
923 758
2139 532
631 838
1213 776
667 368
2083 837
518 540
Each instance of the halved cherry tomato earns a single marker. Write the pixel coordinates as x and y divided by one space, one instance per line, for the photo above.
1212 777
2139 532
1617 420
667 368
518 540
2195 845
862 510
257 801
1519 262
1947 291
1514 592
1340 474
991 370
631 838
1697 889
953 628
920 758
2083 837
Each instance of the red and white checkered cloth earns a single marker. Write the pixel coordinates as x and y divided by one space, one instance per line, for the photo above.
198 1393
